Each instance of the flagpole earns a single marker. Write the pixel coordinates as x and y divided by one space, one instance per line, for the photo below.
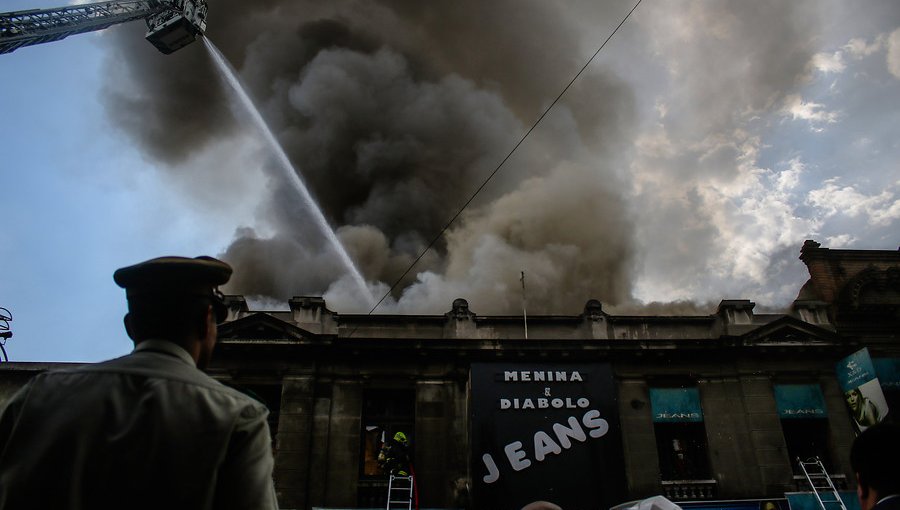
524 312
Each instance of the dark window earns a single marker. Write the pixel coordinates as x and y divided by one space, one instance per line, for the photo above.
385 412
682 450
807 438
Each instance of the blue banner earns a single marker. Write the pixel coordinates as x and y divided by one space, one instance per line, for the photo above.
888 371
855 370
675 405
799 401
808 501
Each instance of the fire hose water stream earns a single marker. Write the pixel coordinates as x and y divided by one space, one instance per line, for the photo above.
230 76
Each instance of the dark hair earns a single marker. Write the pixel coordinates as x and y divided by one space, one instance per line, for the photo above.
166 317
874 458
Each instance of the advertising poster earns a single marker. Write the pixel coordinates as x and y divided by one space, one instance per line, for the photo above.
862 391
545 432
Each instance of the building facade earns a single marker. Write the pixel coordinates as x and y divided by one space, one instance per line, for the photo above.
590 410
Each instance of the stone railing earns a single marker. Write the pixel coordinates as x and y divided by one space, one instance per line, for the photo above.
689 490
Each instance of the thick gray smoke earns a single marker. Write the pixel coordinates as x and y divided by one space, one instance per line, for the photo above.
395 111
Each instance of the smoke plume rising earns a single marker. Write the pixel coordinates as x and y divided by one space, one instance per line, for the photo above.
394 111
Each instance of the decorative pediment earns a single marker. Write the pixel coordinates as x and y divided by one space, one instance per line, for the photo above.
789 331
262 326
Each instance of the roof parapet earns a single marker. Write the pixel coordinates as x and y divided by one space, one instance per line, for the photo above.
311 314
460 321
237 307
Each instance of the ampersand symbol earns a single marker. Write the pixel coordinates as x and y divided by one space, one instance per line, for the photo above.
547 391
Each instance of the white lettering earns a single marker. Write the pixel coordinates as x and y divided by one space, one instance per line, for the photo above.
493 473
542 376
556 403
583 402
528 404
574 431
505 403
516 456
592 420
543 445
543 403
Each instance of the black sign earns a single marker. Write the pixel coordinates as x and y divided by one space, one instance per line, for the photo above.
545 432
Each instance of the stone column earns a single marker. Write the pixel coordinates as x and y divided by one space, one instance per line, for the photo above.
440 449
293 443
841 427
343 444
731 453
638 439
766 435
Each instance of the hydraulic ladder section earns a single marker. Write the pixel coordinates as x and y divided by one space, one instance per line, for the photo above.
36 26
400 493
822 486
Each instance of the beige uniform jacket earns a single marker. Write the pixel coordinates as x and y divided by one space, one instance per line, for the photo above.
147 430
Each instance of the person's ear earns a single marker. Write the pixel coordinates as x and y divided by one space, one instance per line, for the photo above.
128 327
205 323
861 488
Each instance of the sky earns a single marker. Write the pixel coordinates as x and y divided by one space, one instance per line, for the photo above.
687 165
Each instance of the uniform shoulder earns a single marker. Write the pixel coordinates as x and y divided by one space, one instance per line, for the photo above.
250 403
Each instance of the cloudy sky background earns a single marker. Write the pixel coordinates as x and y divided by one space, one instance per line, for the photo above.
687 165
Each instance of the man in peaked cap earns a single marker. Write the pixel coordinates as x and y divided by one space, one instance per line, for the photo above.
147 430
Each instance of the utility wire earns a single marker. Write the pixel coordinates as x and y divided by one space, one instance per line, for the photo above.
492 174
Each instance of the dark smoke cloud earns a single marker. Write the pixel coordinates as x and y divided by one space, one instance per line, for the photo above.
394 112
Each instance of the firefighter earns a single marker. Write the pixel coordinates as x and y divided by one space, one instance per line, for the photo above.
394 455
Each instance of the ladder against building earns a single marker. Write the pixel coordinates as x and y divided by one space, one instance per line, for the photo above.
400 493
821 483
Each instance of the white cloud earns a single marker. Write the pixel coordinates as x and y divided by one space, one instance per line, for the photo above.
832 199
755 216
829 62
839 241
893 53
859 48
815 113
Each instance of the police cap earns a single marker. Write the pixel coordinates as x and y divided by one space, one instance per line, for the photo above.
167 277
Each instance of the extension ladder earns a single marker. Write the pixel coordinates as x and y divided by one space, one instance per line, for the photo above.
400 493
822 486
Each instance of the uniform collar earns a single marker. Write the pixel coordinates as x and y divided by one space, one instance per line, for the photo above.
165 347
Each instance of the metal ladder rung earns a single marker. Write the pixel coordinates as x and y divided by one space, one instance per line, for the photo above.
404 485
822 486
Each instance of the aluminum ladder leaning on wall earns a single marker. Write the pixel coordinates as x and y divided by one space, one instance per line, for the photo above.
400 493
822 486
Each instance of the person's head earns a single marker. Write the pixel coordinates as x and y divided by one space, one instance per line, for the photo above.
175 299
400 437
874 458
541 505
854 399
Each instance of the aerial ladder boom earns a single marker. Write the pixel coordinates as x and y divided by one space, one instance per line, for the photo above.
171 24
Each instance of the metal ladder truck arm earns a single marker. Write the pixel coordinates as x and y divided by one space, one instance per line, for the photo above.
172 24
